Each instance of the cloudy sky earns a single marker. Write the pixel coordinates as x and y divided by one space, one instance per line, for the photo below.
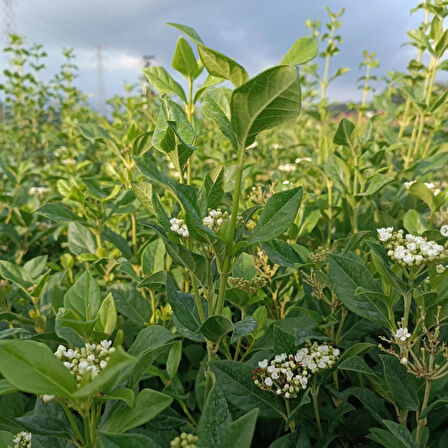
255 32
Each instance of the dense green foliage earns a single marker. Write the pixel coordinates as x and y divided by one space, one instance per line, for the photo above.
203 268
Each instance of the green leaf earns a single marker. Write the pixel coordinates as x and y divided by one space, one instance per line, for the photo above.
222 66
123 394
143 192
174 357
243 328
441 402
16 274
265 101
215 327
212 191
345 134
6 388
356 350
215 417
236 381
284 341
32 367
153 257
282 253
402 385
84 296
132 440
107 316
80 239
401 433
302 51
420 190
377 182
279 213
59 213
130 303
36 265
164 82
414 223
184 60
147 405
184 307
240 432
216 107
346 275
356 364
188 31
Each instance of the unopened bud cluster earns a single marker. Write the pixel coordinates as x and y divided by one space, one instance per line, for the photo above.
184 441
215 219
251 286
286 375
178 226
410 250
319 256
21 440
87 362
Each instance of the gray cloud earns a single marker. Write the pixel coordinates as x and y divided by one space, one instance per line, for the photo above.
255 32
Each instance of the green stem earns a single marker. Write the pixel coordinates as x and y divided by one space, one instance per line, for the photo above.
85 420
315 397
197 298
421 422
225 271
292 424
72 422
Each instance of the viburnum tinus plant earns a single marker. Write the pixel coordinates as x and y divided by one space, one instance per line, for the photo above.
226 260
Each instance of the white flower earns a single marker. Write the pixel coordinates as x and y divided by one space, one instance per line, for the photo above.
385 234
106 344
46 398
404 360
268 381
263 364
402 334
440 269
444 230
178 226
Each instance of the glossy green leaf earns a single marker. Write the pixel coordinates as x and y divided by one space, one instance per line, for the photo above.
279 213
215 327
84 297
147 405
32 367
184 60
164 82
222 66
302 51
265 101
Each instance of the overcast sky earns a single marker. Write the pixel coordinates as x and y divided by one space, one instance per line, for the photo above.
256 33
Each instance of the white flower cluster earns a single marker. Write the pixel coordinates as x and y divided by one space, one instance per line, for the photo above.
286 375
287 167
402 334
184 441
411 250
22 440
178 226
39 191
444 230
86 363
215 219
430 185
